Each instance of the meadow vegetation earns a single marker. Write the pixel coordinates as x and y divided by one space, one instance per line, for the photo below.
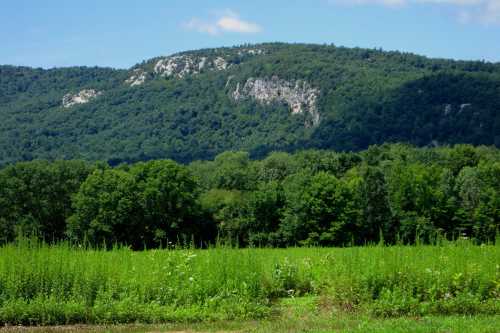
62 284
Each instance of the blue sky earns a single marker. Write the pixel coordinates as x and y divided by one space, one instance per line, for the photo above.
120 33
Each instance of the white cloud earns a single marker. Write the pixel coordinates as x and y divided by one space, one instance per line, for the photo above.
201 26
483 11
234 24
491 14
225 21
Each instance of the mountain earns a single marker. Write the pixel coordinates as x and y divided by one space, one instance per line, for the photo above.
259 98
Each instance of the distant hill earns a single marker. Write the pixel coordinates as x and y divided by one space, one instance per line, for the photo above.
259 98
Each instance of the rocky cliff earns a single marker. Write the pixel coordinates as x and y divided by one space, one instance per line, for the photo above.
82 97
298 95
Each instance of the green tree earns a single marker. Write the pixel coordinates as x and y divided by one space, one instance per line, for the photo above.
265 207
107 210
229 210
276 167
168 196
461 156
373 201
412 193
319 210
151 204
35 197
478 190
232 171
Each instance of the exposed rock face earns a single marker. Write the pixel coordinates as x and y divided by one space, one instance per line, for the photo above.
202 63
299 95
448 109
82 97
250 52
220 63
137 78
180 66
463 106
229 79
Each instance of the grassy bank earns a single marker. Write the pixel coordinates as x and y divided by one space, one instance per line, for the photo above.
50 285
301 314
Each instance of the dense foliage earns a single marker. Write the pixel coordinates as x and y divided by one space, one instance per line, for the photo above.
366 97
389 193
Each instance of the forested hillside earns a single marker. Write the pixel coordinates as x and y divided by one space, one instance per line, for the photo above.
256 98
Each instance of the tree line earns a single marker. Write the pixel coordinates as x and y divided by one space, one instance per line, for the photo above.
391 193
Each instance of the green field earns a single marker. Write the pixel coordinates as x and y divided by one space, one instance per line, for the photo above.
54 285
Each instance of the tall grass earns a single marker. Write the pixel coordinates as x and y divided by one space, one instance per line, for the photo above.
41 284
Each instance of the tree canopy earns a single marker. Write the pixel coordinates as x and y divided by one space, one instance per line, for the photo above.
389 193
